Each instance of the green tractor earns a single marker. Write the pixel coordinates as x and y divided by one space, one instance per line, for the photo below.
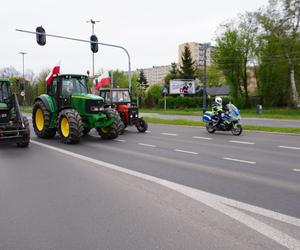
69 109
14 128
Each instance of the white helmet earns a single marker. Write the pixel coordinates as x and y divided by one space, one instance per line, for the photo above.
218 100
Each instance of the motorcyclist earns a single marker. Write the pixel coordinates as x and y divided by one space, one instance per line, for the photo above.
219 109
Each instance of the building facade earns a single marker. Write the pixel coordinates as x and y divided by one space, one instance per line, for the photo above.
197 53
156 74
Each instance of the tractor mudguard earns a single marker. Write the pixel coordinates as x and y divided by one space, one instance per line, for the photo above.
48 101
50 106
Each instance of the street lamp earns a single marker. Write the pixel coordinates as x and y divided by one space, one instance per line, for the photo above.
23 54
93 22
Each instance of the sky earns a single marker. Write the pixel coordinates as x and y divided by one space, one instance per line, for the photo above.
151 31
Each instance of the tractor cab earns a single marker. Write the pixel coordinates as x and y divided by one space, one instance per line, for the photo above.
5 96
13 126
121 99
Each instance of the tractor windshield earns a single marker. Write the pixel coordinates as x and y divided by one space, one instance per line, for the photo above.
4 91
120 96
71 86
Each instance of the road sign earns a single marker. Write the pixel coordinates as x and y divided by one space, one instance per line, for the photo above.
22 93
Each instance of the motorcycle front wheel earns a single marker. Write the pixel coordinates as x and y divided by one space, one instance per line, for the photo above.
210 128
237 130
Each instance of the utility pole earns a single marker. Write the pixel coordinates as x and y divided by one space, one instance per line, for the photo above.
23 80
204 78
93 22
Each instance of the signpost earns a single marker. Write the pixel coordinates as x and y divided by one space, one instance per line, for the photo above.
165 92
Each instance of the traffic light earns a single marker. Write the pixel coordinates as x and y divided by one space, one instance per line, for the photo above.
94 46
41 38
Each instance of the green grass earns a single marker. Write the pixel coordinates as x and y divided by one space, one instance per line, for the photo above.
274 113
201 124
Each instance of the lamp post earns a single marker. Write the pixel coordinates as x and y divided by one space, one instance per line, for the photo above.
93 22
23 54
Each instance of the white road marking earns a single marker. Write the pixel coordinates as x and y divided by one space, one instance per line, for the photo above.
169 134
296 169
119 140
148 131
187 152
202 138
238 160
286 147
219 203
147 145
243 142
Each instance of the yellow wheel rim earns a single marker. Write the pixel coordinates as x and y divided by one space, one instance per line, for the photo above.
39 119
65 127
104 130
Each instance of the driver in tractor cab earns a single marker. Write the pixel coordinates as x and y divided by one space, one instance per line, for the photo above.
67 88
219 109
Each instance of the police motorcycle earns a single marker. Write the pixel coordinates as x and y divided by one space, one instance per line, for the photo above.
227 121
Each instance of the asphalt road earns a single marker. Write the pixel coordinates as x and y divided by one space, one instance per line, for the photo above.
171 188
244 120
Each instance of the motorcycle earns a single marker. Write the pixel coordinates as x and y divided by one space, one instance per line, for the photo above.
229 121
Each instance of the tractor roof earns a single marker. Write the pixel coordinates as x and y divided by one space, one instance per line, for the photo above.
73 75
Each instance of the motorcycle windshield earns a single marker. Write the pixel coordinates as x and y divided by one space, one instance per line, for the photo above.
233 110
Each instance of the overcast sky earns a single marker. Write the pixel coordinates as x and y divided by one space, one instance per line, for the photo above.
150 30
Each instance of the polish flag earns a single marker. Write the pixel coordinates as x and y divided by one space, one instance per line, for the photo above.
53 72
102 80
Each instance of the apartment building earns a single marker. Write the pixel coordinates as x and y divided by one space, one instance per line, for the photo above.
197 52
156 74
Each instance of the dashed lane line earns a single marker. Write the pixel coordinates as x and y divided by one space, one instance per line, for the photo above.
186 152
286 147
243 142
202 138
147 145
169 134
238 160
120 140
229 207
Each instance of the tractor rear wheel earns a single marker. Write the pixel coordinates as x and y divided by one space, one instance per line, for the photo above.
41 118
26 136
70 126
108 133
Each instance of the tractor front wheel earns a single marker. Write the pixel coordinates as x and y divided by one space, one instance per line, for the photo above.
26 136
41 118
108 133
70 126
142 125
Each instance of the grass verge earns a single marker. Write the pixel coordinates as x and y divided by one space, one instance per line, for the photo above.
273 113
201 124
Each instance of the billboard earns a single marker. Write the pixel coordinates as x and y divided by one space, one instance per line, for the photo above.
181 86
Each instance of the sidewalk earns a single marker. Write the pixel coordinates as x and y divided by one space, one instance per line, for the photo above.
244 121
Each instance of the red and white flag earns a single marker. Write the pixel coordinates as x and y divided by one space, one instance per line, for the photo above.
53 72
102 80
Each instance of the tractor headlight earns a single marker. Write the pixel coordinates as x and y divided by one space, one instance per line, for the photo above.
94 108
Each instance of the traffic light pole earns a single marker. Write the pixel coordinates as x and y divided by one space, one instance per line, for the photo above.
87 41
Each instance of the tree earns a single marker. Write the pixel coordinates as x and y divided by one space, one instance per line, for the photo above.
235 49
173 74
143 80
9 72
153 95
41 87
281 20
187 68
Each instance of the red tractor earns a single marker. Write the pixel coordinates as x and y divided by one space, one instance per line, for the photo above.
129 113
